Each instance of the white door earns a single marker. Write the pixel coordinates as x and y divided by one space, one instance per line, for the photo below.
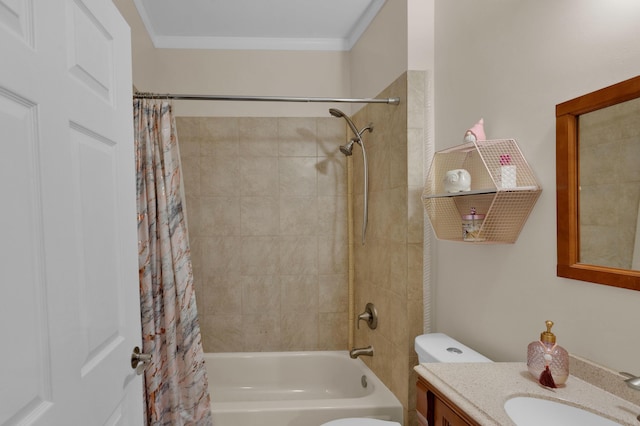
69 306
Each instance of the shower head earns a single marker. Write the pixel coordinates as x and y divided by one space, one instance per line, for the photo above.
348 148
337 113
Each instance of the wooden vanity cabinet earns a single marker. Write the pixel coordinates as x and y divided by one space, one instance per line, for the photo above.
434 409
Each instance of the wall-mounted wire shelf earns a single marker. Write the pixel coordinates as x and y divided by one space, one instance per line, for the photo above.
505 207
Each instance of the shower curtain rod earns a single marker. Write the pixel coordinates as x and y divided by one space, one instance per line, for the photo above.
146 95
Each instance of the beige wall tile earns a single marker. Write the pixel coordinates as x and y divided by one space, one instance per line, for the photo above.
219 137
332 174
220 256
262 332
195 245
333 331
297 176
415 157
298 215
188 128
332 133
333 293
416 99
217 216
415 222
260 293
332 217
299 331
297 137
299 255
260 255
222 333
258 137
414 272
225 299
400 375
191 174
194 224
219 176
259 215
299 293
333 255
258 176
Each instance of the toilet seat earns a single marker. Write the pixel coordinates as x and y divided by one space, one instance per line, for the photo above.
360 421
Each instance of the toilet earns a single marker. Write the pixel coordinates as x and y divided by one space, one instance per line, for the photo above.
438 347
432 347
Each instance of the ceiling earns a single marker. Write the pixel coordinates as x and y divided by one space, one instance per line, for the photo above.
257 24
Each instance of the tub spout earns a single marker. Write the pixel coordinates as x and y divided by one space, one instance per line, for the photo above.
633 382
356 352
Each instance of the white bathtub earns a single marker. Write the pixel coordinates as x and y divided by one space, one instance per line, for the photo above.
295 389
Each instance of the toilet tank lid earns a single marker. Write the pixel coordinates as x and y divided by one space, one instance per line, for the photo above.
438 347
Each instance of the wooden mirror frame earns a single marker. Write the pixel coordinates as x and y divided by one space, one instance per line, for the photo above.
567 186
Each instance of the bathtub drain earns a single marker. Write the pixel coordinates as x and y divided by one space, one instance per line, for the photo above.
363 381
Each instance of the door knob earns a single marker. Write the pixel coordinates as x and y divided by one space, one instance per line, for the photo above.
139 361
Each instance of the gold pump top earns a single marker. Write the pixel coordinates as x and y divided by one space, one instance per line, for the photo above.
548 336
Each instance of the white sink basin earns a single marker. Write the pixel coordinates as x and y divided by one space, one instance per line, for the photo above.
528 411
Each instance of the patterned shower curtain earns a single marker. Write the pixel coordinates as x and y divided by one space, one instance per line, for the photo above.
176 381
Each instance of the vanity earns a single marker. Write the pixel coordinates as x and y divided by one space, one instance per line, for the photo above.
459 394
433 408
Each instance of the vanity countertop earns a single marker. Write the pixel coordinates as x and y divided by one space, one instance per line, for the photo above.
481 389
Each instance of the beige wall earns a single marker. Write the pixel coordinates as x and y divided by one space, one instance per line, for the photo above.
237 72
266 205
379 57
388 267
511 63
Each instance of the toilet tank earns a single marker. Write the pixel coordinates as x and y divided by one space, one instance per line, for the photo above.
438 347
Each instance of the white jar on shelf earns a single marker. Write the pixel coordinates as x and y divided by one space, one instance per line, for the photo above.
471 225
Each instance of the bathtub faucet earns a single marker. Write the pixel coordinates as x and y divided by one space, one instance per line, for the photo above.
356 352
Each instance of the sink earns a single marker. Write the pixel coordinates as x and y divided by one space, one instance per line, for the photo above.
528 411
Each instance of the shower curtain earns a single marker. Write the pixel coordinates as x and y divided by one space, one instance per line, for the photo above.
175 382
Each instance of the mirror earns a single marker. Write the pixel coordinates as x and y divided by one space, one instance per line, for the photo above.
598 186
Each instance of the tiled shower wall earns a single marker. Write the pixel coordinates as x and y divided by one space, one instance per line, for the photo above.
267 216
389 267
266 204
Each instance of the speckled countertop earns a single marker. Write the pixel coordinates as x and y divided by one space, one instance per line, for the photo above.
481 389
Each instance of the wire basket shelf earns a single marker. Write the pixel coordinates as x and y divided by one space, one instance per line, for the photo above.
504 195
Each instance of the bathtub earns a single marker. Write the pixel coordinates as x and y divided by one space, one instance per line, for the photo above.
295 389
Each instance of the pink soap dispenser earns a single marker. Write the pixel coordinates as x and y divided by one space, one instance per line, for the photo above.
547 361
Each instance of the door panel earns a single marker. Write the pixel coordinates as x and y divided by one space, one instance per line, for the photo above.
22 254
90 47
17 17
